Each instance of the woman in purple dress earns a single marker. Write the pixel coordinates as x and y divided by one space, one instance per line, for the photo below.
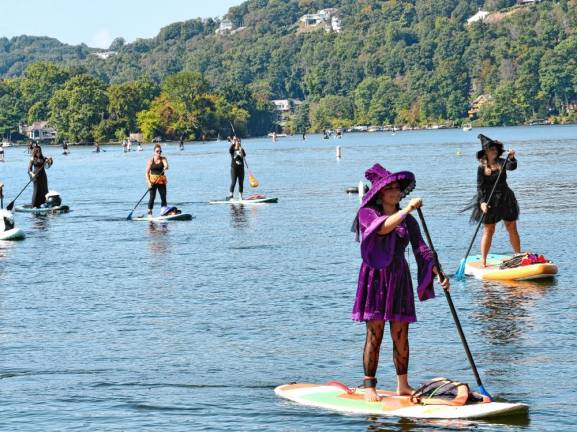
385 290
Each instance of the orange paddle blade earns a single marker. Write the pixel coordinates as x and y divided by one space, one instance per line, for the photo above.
253 181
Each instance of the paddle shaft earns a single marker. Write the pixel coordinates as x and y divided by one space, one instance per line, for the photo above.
145 193
450 301
10 206
488 201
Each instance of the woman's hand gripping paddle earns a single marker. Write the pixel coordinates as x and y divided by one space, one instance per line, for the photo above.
460 273
10 205
453 310
129 217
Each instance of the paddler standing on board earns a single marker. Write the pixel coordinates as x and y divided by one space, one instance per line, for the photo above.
492 171
37 172
237 155
385 290
156 178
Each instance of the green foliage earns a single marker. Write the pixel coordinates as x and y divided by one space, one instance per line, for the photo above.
396 61
78 107
12 109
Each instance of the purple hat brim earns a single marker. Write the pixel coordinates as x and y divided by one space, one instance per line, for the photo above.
406 180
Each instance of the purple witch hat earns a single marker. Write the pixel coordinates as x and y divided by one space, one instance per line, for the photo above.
380 177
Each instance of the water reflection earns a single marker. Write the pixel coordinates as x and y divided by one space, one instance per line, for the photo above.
506 308
238 216
40 222
158 241
379 424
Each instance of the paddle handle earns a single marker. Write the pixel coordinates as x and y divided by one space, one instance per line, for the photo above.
483 215
452 306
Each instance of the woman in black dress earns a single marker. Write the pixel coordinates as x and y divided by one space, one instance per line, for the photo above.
503 205
237 155
37 172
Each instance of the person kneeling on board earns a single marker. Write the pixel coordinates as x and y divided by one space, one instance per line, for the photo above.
384 289
155 177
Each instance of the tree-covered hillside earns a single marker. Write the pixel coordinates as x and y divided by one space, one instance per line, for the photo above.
394 62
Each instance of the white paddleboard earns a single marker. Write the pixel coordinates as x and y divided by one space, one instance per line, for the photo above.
246 201
12 234
178 217
336 399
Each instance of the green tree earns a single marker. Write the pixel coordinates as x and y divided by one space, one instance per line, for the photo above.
37 87
78 108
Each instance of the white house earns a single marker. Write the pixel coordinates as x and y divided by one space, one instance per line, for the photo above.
325 17
104 55
336 24
38 131
226 26
479 16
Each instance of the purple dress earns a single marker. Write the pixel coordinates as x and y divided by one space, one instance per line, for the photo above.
385 290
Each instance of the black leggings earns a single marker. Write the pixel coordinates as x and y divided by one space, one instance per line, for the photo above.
236 172
400 337
162 189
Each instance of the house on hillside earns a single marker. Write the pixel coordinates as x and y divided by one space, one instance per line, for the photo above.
105 54
226 26
527 1
479 16
286 108
38 131
477 103
326 19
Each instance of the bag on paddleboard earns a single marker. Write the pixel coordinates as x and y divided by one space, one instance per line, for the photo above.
523 259
169 210
443 391
53 199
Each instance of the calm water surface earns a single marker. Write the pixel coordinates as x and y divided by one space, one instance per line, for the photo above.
112 325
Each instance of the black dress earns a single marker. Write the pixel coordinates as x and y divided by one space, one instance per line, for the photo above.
503 205
40 181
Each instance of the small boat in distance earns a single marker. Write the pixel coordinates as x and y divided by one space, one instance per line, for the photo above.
467 127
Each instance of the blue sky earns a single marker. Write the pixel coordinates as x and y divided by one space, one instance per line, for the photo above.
98 22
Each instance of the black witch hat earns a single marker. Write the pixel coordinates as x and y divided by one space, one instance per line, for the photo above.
487 143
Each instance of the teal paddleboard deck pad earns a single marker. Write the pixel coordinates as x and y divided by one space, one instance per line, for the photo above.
247 201
337 399
42 210
178 217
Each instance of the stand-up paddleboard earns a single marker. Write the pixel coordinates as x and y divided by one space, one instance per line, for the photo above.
338 399
168 218
249 200
12 234
493 271
42 210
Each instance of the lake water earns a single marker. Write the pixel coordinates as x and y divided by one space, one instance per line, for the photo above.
112 325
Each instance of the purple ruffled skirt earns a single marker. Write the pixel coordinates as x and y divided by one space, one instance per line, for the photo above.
385 294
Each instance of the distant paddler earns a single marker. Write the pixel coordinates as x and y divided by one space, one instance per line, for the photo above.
156 178
502 206
37 172
237 155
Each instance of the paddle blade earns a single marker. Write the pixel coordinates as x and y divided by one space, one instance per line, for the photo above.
485 393
10 206
129 217
460 273
253 181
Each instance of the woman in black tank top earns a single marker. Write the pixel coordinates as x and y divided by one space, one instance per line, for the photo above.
155 177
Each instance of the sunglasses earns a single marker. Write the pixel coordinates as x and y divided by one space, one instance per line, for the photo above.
157 151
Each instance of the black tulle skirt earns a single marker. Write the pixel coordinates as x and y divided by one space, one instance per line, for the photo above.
504 206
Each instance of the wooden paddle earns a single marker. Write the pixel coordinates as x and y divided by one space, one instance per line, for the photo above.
453 310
